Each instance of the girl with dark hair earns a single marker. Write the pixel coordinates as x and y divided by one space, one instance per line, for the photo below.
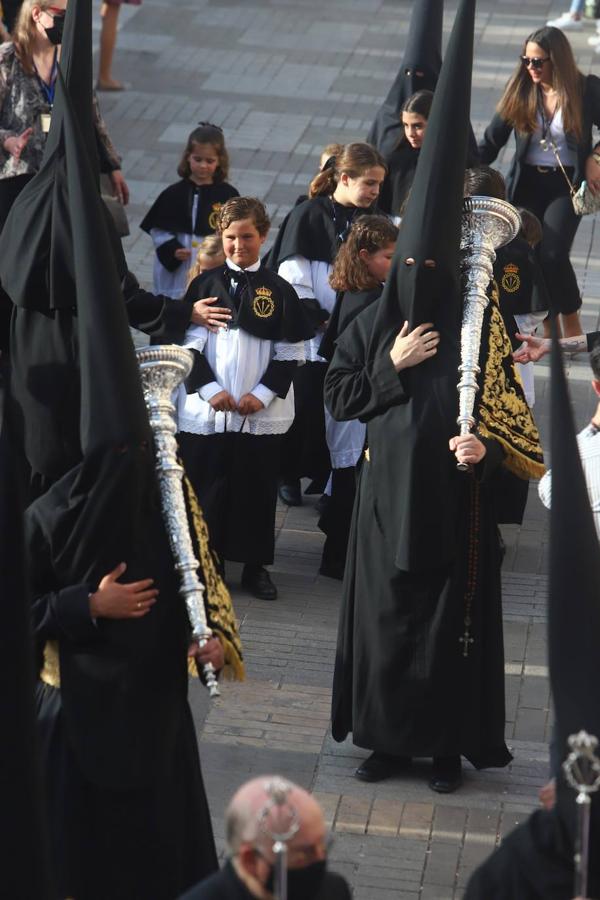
359 272
187 211
303 254
402 161
551 107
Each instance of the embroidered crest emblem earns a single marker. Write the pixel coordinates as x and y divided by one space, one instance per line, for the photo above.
510 280
263 304
213 219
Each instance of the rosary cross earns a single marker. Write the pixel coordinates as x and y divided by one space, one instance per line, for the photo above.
465 640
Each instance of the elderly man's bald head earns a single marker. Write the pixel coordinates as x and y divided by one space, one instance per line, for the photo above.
246 823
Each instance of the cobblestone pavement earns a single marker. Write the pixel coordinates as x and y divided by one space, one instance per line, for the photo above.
284 77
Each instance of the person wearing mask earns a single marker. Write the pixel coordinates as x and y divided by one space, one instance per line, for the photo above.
252 817
28 72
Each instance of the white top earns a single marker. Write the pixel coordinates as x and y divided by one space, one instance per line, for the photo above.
588 442
310 279
174 284
536 156
239 360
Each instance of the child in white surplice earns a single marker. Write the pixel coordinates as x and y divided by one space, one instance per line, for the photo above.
241 400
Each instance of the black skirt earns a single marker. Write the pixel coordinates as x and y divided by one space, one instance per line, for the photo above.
235 479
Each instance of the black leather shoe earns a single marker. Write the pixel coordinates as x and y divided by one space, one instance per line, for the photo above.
290 493
380 766
257 581
447 774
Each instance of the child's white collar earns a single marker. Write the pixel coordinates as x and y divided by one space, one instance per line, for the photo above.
253 268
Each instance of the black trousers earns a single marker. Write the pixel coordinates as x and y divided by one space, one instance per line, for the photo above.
547 195
235 479
304 453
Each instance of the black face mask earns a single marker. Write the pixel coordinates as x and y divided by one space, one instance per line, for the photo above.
302 884
55 32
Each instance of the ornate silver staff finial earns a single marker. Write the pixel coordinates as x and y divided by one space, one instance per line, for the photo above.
487 224
162 369
582 771
279 821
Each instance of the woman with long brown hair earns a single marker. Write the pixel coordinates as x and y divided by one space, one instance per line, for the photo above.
551 107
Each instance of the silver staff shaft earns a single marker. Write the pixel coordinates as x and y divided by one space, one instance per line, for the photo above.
582 771
280 870
487 224
582 849
162 370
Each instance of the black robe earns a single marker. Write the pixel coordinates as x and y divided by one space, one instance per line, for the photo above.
126 800
46 383
225 885
402 164
402 684
172 211
535 862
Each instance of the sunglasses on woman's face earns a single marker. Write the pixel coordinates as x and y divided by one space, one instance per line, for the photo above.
534 62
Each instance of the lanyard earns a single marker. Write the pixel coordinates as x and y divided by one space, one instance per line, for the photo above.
48 90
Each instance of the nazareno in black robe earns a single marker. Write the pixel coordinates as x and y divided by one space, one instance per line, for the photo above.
536 860
128 811
402 684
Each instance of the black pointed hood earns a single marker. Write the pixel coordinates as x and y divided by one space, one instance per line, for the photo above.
420 501
431 226
25 867
418 71
573 607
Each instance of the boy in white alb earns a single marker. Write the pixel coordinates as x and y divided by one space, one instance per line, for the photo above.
240 399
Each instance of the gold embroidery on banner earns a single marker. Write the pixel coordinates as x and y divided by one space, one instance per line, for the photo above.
503 411
511 281
213 219
263 304
50 673
219 608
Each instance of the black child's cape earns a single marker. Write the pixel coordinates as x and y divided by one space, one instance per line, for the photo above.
314 229
521 285
268 307
348 305
172 209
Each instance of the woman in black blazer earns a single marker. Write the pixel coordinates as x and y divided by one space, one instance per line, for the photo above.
551 107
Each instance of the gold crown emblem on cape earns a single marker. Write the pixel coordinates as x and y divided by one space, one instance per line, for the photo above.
510 280
213 219
263 304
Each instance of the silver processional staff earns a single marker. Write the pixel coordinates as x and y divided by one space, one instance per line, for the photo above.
162 369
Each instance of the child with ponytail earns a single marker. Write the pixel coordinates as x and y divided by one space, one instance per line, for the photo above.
303 254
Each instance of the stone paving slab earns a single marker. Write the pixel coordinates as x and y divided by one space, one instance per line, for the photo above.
284 77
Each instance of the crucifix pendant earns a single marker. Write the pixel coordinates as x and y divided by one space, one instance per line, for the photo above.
466 639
